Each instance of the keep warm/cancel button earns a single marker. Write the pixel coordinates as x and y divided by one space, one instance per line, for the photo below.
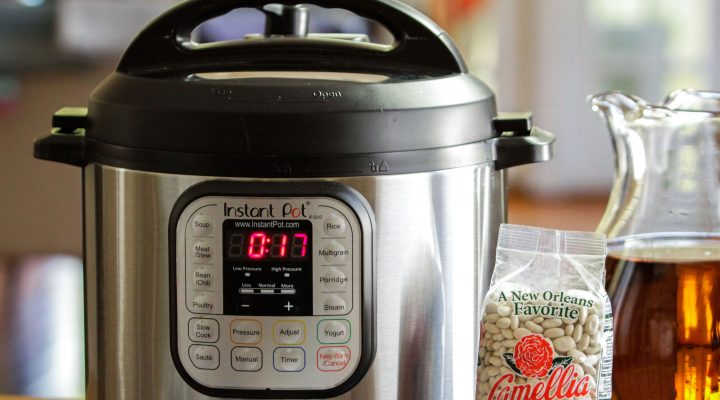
333 358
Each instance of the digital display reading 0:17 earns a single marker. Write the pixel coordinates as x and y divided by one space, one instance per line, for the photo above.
267 244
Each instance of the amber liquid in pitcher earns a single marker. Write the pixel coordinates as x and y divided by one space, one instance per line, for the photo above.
667 321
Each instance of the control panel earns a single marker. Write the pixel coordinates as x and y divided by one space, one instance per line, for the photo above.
272 291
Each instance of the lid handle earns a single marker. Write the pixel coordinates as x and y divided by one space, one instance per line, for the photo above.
421 47
286 20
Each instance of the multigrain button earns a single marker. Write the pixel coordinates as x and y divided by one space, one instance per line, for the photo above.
335 305
334 331
289 359
203 279
202 304
246 359
204 330
202 252
289 332
201 225
333 358
245 331
204 357
334 225
334 253
334 279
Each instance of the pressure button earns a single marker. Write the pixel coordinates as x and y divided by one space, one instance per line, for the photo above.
245 331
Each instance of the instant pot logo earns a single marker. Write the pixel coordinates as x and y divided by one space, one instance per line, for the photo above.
245 211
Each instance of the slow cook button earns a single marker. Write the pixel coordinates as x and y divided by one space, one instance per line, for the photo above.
204 330
334 279
334 253
330 359
205 357
334 225
289 332
289 359
335 305
245 331
246 359
203 279
201 304
202 252
334 331
201 225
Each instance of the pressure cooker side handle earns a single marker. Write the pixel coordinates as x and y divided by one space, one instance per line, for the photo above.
518 142
422 47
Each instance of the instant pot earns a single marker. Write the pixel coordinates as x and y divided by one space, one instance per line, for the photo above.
292 215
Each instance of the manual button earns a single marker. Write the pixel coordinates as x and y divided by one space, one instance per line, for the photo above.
246 359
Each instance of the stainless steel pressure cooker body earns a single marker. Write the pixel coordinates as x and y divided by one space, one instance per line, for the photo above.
291 215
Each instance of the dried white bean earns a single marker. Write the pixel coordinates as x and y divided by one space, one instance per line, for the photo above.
533 327
520 332
563 344
592 324
552 323
504 311
577 334
553 333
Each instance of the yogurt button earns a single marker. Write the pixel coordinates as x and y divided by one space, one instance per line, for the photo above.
334 331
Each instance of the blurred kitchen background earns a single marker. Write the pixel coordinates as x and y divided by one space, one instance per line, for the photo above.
541 55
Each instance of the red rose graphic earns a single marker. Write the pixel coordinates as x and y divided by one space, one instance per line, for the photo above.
533 356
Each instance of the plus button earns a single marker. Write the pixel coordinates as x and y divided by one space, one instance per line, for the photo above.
289 306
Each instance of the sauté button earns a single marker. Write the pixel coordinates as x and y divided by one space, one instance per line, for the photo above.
334 253
201 225
204 330
202 252
334 225
202 278
289 359
334 279
333 358
289 332
246 359
335 305
205 357
245 331
334 331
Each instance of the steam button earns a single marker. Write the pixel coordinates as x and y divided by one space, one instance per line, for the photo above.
202 252
334 305
334 225
201 225
204 357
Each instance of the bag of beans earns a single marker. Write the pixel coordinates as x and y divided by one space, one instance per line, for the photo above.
546 321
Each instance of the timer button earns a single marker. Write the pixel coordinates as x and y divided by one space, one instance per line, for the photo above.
335 305
289 359
203 279
201 225
334 279
334 253
202 252
204 357
334 225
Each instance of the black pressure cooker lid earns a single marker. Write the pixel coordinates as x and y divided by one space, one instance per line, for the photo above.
285 103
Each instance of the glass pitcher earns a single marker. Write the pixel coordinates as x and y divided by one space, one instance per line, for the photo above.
663 226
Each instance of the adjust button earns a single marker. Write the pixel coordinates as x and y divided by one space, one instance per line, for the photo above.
204 357
289 332
204 330
334 225
289 359
202 252
246 359
201 225
334 253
